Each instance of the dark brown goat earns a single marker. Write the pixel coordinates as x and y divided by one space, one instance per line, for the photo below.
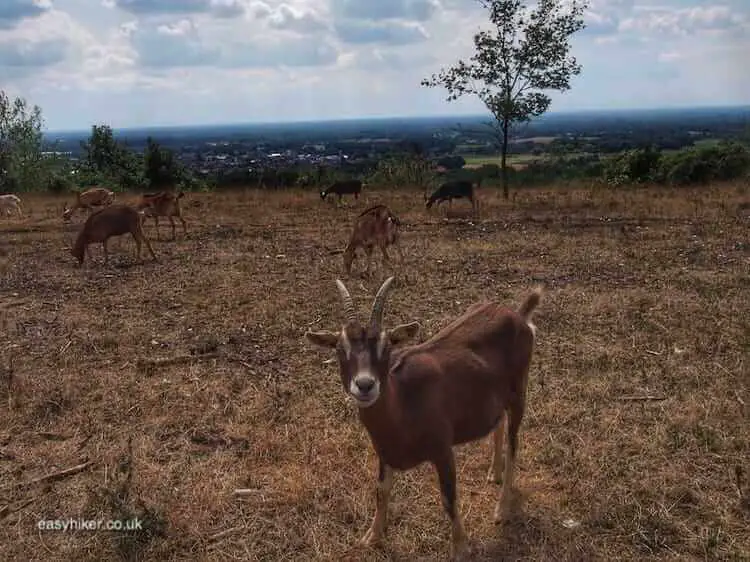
113 220
162 204
456 189
416 403
376 226
343 187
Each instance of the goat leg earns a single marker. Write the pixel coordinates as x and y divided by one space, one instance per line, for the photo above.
495 473
505 502
382 495
446 470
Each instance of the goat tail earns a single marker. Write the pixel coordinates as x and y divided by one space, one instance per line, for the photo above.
531 302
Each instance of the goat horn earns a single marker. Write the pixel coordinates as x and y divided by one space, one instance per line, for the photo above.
376 317
347 301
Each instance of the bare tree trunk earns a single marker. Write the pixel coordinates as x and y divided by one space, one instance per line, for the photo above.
504 158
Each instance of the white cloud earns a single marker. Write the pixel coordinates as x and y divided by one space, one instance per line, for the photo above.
131 62
684 21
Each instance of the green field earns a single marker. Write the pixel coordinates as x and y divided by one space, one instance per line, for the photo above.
474 160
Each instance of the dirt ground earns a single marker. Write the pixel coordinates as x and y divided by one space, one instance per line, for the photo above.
183 380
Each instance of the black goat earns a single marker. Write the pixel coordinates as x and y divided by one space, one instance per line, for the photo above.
451 190
344 187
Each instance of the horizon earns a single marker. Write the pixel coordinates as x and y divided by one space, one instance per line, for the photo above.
160 63
422 117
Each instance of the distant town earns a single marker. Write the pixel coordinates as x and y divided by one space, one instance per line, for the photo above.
235 153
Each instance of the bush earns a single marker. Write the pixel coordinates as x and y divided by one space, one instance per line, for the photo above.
703 164
639 165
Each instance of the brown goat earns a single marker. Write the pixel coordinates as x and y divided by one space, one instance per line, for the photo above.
113 220
94 197
374 226
416 403
162 204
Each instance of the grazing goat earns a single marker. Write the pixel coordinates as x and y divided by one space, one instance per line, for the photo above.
9 203
343 188
113 220
417 402
374 226
162 204
94 197
451 190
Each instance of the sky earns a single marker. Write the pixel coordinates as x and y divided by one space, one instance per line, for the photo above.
136 63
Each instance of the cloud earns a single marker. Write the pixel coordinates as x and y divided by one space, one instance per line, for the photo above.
20 59
683 21
377 10
227 8
180 44
303 19
218 8
14 11
392 33
298 52
293 19
172 45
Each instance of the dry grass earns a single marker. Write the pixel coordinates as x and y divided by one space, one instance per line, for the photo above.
647 293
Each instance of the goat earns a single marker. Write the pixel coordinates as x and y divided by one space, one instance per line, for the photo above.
343 188
374 226
451 190
94 197
10 202
113 220
162 204
417 402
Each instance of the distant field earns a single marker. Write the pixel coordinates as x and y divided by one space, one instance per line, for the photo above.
538 140
638 404
518 161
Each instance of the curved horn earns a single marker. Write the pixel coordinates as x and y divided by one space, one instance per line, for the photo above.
346 298
376 317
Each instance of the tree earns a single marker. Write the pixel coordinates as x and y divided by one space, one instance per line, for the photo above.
21 141
107 160
526 54
161 169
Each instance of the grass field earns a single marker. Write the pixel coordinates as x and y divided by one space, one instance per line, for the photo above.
182 380
518 161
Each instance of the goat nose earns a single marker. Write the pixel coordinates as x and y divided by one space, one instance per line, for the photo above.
365 385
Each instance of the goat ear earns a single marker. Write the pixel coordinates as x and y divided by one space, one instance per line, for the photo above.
323 338
404 332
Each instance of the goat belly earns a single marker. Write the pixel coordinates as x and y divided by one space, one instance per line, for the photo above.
404 456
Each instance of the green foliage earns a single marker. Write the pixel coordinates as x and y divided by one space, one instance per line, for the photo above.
22 165
111 163
108 162
705 163
452 162
526 54
160 167
402 170
639 165
488 171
